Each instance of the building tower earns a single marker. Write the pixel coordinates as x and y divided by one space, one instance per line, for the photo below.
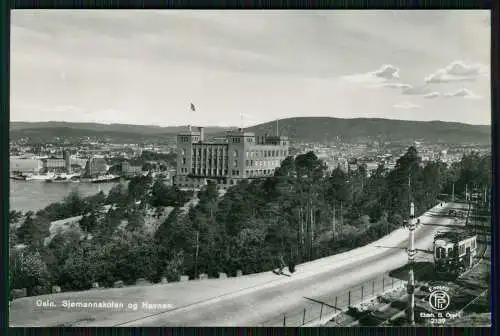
185 142
67 161
237 145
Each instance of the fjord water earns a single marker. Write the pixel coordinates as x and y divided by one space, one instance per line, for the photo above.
36 195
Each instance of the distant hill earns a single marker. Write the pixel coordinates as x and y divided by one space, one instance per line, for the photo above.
140 129
313 129
48 134
307 129
41 132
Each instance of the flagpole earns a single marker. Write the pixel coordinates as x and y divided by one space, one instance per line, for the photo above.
191 118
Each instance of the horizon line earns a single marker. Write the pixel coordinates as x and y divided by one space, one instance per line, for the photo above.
234 126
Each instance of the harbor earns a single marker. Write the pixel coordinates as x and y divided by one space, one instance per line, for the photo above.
66 178
38 182
36 195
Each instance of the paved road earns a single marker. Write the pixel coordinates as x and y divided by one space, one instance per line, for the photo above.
259 305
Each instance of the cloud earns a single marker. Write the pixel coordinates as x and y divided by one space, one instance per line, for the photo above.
465 93
406 106
432 95
457 71
416 90
386 73
407 89
397 85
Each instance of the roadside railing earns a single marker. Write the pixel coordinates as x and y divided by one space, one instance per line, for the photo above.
326 307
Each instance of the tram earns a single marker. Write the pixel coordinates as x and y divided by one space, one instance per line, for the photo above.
454 252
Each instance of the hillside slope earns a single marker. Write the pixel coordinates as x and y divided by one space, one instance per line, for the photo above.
324 128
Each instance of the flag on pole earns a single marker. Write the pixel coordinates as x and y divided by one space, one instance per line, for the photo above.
192 107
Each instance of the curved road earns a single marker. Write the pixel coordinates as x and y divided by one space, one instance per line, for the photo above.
267 301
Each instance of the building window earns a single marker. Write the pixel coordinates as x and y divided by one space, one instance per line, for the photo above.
247 162
235 163
183 160
235 153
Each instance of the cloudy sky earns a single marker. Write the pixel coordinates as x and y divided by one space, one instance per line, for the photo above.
146 67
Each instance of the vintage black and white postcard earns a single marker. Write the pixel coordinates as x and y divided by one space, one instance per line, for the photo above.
250 168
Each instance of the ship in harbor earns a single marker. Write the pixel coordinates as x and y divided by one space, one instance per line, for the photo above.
18 177
40 177
105 178
64 178
32 177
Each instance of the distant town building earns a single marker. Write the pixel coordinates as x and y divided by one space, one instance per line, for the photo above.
67 161
25 166
95 167
129 170
241 155
53 164
443 155
371 167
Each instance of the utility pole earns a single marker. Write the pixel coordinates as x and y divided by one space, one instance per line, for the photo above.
333 222
453 193
341 219
196 255
411 259
301 219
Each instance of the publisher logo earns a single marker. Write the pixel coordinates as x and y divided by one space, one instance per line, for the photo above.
439 300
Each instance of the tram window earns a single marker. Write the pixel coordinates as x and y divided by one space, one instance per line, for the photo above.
440 253
449 250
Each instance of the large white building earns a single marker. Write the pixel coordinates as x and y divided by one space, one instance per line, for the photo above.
25 166
240 155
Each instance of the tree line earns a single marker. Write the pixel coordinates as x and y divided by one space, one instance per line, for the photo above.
303 212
